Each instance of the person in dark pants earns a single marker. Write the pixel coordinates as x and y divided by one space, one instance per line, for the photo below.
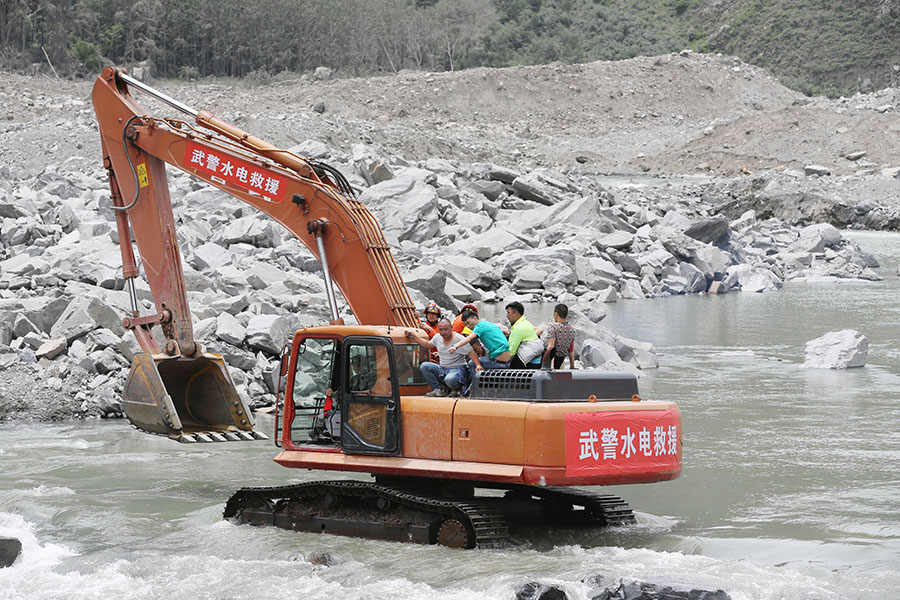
496 347
451 376
560 339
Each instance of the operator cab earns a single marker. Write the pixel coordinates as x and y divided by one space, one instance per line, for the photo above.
342 388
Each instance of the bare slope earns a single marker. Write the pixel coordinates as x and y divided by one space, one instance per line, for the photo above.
672 114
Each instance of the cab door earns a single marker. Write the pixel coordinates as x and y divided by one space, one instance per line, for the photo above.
370 412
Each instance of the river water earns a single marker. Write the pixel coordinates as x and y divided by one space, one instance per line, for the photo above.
790 488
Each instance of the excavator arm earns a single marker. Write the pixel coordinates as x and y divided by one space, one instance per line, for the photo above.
174 388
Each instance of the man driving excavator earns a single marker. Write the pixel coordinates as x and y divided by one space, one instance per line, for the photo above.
329 428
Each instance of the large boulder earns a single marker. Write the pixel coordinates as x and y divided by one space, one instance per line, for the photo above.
406 208
254 230
229 329
751 279
530 187
470 270
490 189
550 269
596 353
268 333
597 273
843 349
210 256
75 321
712 261
496 241
51 348
580 211
676 242
474 222
618 240
709 229
815 238
431 280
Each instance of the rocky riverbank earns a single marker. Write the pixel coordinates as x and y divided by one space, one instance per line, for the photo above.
460 232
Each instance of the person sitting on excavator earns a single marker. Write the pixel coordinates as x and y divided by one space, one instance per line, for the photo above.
432 316
524 344
430 325
460 327
491 337
452 374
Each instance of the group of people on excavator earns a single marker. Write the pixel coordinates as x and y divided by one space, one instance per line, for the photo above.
487 345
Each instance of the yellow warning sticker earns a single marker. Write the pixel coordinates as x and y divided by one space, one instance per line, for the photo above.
143 176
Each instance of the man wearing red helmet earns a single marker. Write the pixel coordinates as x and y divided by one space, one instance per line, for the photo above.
430 324
458 325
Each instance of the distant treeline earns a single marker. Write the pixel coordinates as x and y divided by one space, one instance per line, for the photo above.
817 46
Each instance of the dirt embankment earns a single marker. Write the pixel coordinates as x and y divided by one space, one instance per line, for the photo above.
668 115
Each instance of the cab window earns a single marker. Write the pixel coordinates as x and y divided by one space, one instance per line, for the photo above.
370 370
409 358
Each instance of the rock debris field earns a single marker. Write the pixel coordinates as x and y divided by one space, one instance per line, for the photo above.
584 184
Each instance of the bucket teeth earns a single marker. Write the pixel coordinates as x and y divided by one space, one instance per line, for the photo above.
216 437
187 439
259 436
245 436
231 437
202 437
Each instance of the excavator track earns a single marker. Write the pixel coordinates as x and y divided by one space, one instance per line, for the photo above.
601 509
372 510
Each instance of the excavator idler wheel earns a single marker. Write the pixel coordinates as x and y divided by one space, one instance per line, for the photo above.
383 503
454 534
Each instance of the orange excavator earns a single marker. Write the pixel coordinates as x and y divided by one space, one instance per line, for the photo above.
458 471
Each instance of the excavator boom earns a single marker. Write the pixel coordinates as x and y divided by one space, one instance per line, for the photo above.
174 388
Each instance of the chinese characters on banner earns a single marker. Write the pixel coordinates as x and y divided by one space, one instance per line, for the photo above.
621 441
226 169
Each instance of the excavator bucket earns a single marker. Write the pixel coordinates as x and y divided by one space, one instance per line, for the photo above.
186 399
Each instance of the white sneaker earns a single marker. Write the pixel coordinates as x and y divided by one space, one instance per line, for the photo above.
438 393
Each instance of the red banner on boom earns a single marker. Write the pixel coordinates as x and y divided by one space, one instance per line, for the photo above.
226 169
622 441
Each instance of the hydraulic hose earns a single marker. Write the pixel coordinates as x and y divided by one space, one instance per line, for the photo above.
339 179
137 183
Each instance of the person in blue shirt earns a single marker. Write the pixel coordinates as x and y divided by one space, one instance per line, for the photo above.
496 347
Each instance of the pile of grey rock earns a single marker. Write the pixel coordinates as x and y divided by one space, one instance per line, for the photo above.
478 232
807 196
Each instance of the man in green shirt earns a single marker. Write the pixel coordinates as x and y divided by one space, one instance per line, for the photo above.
524 345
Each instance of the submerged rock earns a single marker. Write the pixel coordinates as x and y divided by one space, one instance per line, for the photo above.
535 590
843 349
10 549
323 559
641 590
